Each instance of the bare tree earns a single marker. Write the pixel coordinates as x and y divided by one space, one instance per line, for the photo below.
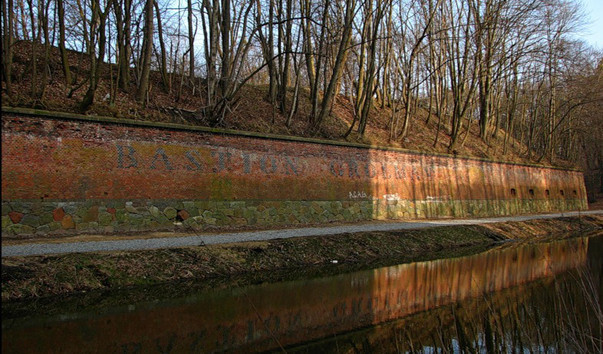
191 39
411 35
266 38
147 51
7 43
96 42
373 15
62 48
461 66
163 54
228 32
123 19
332 77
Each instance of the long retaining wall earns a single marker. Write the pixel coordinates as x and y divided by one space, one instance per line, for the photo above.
64 174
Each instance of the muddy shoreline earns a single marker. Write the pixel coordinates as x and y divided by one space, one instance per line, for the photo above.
143 273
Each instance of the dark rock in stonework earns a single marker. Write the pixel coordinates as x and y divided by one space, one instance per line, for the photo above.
31 220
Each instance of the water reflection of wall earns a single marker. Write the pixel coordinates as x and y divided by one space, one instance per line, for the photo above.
255 318
558 314
409 288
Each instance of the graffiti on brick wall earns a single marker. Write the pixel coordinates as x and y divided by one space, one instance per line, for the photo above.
359 195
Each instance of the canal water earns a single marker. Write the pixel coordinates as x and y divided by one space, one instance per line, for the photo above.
517 297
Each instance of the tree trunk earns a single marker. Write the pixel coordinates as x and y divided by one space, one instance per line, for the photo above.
123 21
282 96
225 76
7 44
342 53
147 50
43 17
191 40
97 30
63 50
163 69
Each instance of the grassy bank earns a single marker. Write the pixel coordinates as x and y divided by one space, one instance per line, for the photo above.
47 276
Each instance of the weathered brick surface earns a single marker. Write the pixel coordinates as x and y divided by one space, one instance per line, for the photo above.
99 176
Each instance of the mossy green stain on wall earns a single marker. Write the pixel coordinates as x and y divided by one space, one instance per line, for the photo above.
221 189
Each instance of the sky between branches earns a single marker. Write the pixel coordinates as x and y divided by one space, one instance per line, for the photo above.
593 32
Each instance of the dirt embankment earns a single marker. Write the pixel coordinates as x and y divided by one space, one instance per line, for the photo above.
44 276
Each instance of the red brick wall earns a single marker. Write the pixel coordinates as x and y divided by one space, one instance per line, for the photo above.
60 159
75 159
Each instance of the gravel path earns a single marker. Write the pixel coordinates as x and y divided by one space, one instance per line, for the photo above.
32 249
